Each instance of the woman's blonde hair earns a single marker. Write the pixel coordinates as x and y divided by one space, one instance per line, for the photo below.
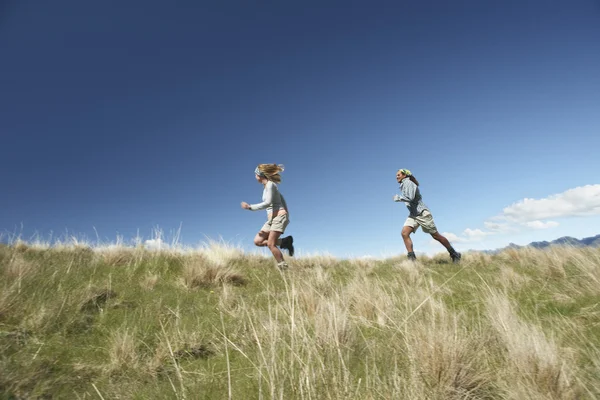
270 171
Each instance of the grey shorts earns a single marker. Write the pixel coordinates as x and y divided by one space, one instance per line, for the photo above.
277 224
424 220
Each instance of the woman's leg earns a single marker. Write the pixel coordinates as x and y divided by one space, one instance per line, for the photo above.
261 239
272 245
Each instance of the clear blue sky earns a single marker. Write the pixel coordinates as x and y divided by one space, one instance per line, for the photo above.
122 116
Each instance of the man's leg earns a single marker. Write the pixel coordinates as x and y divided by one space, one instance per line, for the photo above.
455 255
406 231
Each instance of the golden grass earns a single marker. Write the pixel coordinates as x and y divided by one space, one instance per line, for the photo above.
122 352
537 366
201 271
215 322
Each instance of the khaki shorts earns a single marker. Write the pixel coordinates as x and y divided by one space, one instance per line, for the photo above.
277 224
424 220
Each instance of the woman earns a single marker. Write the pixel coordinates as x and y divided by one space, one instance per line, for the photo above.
277 213
419 215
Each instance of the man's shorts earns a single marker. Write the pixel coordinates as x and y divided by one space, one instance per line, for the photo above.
424 220
277 224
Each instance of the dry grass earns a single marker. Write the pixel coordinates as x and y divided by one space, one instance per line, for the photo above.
201 271
220 254
509 278
18 267
314 261
538 368
366 263
149 281
214 322
413 271
122 352
369 301
449 359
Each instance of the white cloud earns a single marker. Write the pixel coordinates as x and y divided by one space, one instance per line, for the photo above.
579 201
468 235
155 244
498 227
541 224
533 214
451 237
475 234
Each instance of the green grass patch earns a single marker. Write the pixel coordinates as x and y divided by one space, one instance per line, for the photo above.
213 323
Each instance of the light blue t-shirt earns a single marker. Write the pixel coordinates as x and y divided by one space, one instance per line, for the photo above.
272 200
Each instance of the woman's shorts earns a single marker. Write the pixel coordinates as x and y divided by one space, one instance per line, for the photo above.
424 220
277 224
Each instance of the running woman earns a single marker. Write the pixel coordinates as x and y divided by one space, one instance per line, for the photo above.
419 215
269 175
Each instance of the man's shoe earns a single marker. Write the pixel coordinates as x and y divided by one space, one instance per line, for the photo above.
411 256
455 257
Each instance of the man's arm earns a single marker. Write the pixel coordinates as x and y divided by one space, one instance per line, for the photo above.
409 190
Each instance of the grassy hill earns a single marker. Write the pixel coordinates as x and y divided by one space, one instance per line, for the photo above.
215 323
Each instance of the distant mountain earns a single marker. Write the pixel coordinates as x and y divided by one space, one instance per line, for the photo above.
593 241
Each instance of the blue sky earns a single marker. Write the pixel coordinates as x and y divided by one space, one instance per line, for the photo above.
118 117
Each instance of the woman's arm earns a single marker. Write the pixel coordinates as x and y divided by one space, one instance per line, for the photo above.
268 198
